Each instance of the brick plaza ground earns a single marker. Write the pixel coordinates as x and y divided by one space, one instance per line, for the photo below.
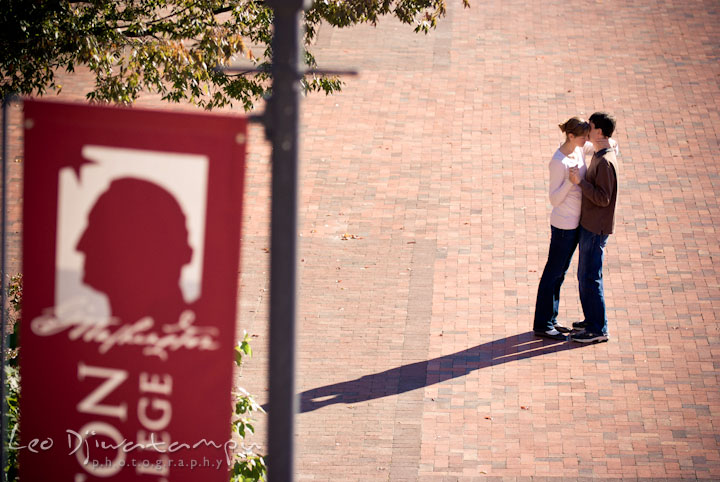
416 359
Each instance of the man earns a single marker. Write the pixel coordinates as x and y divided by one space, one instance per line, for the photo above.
597 220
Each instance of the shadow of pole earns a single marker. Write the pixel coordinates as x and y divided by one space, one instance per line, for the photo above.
422 374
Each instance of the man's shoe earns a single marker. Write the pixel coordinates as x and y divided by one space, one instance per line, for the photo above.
552 333
580 325
561 329
586 337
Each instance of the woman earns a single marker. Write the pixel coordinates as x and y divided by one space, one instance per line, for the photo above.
566 199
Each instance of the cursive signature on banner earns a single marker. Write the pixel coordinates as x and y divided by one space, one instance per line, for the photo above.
109 333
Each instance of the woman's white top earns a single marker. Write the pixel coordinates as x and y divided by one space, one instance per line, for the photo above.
566 197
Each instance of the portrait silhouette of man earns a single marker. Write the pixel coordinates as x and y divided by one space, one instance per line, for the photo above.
135 245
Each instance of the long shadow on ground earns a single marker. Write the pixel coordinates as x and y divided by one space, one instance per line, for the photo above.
422 374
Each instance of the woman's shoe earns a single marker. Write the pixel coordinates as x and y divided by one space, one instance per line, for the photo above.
561 328
552 333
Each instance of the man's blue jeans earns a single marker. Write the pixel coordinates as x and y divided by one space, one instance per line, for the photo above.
590 278
562 247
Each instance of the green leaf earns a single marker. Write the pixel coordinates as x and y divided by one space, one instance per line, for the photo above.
170 47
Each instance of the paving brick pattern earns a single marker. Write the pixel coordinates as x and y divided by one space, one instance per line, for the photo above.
415 356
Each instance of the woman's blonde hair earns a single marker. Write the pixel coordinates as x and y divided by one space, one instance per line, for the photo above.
575 126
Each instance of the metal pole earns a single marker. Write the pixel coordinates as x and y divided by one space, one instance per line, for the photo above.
3 322
283 119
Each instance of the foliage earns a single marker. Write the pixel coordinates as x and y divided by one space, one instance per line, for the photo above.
242 349
12 397
171 47
248 466
14 296
12 375
252 468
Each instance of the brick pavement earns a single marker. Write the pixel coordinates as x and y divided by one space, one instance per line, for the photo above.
416 360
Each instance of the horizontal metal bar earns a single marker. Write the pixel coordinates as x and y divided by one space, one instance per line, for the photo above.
239 70
257 118
352 73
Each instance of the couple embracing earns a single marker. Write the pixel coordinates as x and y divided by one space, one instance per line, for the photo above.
583 199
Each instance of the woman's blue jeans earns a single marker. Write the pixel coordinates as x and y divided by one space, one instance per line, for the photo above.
590 280
562 247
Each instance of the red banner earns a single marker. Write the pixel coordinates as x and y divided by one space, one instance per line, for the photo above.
131 255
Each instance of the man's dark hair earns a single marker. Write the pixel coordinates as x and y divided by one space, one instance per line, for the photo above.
603 121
